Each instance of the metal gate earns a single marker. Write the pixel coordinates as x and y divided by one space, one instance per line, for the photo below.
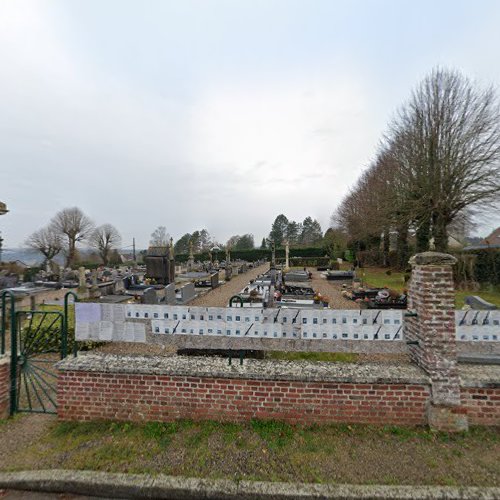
38 339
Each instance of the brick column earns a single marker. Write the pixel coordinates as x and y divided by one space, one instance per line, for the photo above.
4 386
431 296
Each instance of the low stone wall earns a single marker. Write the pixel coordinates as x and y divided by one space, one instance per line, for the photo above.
162 389
4 386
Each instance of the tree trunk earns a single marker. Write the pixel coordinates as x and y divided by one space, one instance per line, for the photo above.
71 253
440 232
403 249
386 247
423 235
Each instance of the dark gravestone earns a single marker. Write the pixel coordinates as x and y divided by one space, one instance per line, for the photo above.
478 303
214 280
149 296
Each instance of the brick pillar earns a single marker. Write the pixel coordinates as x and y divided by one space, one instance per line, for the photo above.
4 386
431 296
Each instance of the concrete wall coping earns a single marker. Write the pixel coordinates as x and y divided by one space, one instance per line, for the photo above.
486 376
432 259
215 367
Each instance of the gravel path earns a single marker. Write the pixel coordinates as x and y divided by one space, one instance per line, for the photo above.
331 289
219 297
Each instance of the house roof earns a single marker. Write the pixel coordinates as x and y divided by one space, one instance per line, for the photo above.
493 239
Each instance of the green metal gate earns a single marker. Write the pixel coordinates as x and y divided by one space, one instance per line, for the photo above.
38 339
34 353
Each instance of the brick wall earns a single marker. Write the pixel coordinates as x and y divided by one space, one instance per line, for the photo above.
135 397
482 405
4 386
431 295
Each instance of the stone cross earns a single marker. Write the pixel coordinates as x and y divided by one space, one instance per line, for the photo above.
287 252
190 262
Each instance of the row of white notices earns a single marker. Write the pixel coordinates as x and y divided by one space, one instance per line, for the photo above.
116 322
282 315
278 330
483 326
106 322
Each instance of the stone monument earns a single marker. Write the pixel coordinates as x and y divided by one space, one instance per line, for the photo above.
190 262
94 289
171 263
287 253
82 283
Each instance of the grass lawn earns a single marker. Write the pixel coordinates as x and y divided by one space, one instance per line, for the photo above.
266 450
378 278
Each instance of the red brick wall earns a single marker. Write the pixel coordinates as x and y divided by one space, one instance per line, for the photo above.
94 396
4 387
482 405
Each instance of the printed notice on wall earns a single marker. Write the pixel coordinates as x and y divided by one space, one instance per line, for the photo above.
87 313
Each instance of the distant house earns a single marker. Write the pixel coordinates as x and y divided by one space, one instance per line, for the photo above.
491 241
453 243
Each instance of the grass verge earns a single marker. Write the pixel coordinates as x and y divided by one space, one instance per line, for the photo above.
268 451
378 278
333 357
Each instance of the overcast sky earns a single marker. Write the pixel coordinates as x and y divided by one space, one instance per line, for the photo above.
215 114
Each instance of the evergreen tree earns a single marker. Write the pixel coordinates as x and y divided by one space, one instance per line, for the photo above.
279 230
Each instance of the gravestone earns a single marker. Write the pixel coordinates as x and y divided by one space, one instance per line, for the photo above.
149 296
187 292
477 303
94 289
82 283
170 297
119 287
214 280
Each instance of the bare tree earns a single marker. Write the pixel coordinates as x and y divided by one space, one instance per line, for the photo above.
447 142
73 225
105 239
159 237
47 241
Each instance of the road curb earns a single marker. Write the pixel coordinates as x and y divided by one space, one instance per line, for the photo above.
114 485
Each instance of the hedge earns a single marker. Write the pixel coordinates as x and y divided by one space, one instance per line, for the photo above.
486 266
254 254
